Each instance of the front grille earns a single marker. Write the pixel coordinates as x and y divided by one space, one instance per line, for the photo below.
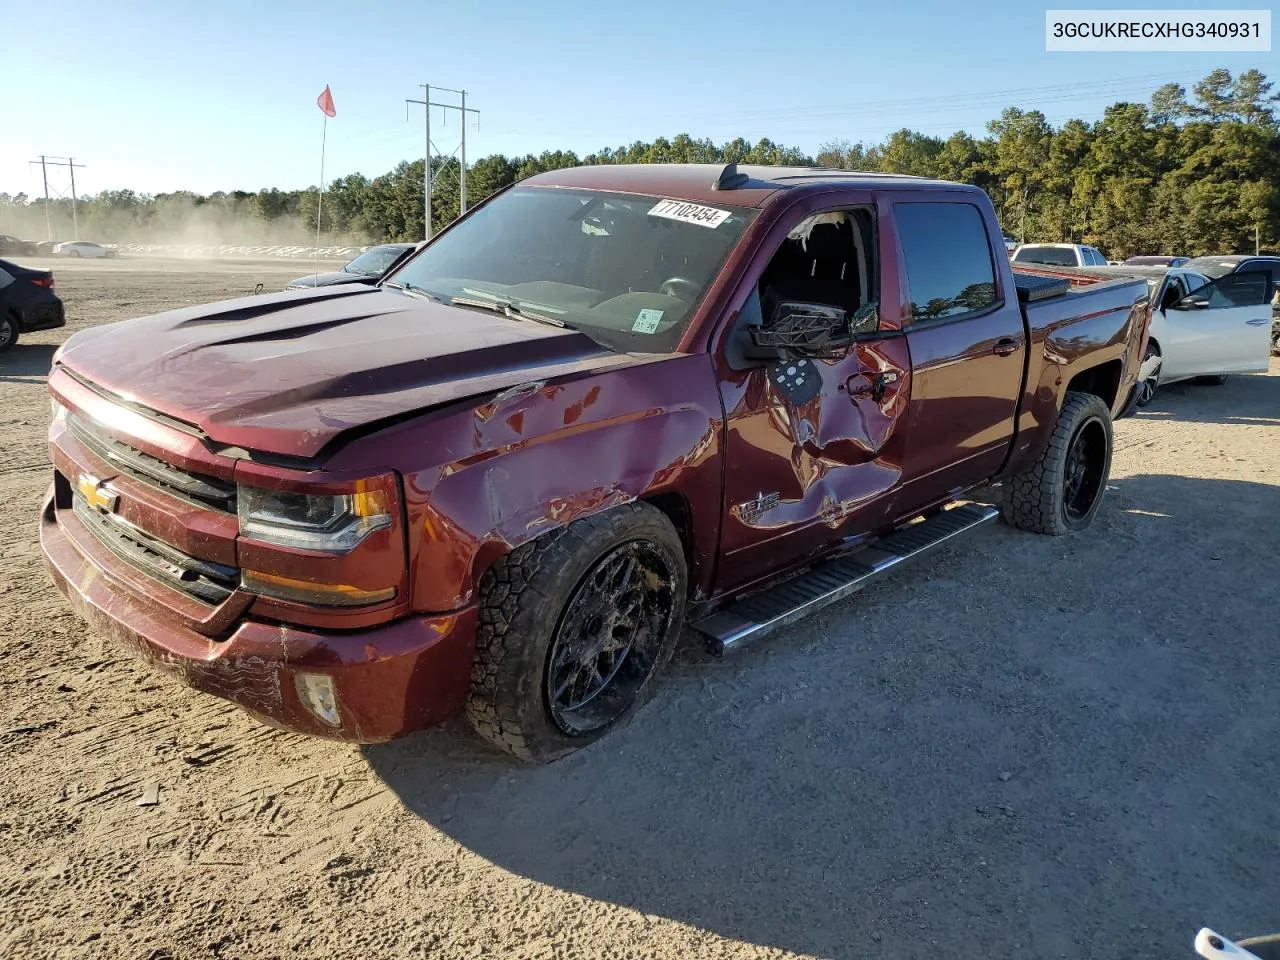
211 583
195 488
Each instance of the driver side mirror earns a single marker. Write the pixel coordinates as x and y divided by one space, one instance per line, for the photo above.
799 329
1191 302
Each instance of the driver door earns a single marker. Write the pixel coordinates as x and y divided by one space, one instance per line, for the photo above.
1221 327
813 445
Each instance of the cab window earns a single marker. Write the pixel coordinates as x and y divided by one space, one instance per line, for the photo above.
948 259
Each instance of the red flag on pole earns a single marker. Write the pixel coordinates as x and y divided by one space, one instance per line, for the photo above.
325 102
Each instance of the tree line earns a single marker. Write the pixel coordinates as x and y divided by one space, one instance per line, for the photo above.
1188 172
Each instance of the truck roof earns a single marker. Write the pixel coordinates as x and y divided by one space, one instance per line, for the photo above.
752 185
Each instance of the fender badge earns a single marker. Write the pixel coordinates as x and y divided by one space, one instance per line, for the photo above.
96 494
753 509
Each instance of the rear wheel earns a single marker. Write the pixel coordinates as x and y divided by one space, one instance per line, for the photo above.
8 333
574 626
1216 380
73 253
1061 492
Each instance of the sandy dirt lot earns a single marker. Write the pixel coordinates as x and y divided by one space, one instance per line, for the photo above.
1023 747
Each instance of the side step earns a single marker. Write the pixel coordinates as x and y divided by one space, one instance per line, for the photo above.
765 611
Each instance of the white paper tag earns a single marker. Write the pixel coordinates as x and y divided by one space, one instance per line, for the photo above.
646 321
689 213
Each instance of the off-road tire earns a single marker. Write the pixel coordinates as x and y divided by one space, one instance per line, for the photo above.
1214 380
8 332
522 598
1034 499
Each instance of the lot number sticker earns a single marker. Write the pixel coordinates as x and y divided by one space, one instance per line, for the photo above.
689 213
646 321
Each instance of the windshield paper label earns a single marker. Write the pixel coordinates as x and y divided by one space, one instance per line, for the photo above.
647 321
689 213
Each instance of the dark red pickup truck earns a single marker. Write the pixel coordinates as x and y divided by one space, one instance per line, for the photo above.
608 401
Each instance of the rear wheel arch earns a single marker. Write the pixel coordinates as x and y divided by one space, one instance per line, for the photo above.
1103 381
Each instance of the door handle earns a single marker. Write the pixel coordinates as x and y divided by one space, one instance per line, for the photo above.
1257 323
865 385
1005 346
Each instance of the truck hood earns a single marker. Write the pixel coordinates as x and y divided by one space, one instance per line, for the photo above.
288 373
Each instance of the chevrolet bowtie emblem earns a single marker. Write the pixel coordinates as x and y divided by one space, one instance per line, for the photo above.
95 494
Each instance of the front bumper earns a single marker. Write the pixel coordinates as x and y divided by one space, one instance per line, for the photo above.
388 680
46 316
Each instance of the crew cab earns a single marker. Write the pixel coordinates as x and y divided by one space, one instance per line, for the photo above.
606 402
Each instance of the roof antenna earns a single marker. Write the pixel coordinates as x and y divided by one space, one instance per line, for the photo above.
730 178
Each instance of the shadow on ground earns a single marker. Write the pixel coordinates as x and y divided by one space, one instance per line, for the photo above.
1245 399
26 360
972 756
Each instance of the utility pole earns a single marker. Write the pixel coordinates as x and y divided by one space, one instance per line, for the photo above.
427 103
44 172
70 164
462 179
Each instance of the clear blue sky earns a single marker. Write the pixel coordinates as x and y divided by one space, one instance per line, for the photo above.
164 96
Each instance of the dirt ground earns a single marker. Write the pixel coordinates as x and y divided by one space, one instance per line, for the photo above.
1025 746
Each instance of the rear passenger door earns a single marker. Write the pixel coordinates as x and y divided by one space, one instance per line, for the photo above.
968 348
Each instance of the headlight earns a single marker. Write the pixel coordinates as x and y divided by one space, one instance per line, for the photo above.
332 524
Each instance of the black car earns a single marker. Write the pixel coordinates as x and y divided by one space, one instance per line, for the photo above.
1219 266
27 302
1156 262
366 268
12 246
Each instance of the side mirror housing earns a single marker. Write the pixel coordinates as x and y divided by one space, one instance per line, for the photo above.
813 330
803 329
1191 302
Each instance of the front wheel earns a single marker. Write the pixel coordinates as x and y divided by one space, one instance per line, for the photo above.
1061 492
574 626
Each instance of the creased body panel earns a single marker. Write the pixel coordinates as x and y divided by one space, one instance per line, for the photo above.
802 478
480 481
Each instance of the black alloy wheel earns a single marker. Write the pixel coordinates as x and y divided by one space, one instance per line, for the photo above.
610 637
1085 470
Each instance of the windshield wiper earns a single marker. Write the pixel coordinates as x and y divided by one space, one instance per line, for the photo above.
509 309
411 290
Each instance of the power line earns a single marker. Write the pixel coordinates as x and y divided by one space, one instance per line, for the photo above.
68 162
427 103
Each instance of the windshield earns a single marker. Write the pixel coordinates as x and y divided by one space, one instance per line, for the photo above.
1057 256
374 262
626 270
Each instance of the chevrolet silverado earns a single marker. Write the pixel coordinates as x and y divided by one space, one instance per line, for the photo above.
607 402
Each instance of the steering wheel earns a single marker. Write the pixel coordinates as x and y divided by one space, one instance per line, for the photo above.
673 286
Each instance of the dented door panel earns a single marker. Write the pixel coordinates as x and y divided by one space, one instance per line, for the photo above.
801 479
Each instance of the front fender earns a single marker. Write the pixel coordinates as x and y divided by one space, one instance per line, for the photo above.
540 456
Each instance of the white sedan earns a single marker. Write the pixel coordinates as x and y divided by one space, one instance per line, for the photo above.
83 248
1205 328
